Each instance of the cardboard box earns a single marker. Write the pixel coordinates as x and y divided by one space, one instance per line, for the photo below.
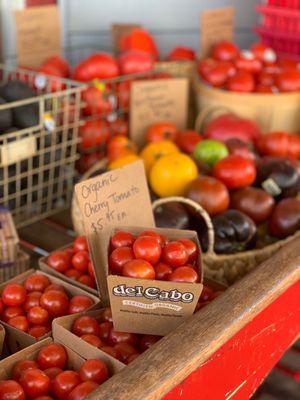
30 353
45 267
62 333
9 270
9 240
2 337
17 339
152 306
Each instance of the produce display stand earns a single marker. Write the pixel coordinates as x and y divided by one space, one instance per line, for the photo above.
223 352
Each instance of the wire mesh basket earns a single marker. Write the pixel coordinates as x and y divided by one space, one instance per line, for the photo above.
39 150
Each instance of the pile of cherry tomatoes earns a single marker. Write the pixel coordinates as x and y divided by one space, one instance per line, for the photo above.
32 305
150 255
255 70
123 346
50 376
74 262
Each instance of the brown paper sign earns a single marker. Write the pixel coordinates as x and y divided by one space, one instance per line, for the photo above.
116 198
38 34
119 30
215 25
151 306
157 100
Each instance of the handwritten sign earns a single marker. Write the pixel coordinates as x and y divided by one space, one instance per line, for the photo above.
38 34
155 101
216 25
119 30
116 198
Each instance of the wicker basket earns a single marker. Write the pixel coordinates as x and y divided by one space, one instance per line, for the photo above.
37 163
227 268
271 111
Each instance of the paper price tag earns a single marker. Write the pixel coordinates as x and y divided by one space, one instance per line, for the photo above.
17 150
215 25
156 101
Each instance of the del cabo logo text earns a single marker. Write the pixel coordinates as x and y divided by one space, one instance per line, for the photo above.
152 293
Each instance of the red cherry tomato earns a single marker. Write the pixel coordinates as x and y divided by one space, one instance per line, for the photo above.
52 372
52 355
21 366
160 238
184 274
80 303
92 339
118 258
122 239
148 341
225 51
138 269
187 140
73 273
247 61
14 295
86 325
80 260
11 390
147 248
107 315
175 254
288 80
111 351
82 390
36 283
87 281
242 81
191 249
125 350
121 337
11 312
55 286
19 322
104 330
162 271
39 331
161 131
93 370
38 316
59 261
64 383
55 302
98 65
235 172
35 383
32 300
80 243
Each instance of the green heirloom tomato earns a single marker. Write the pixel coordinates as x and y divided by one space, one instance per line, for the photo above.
210 151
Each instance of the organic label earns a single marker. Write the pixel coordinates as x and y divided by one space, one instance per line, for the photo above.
156 101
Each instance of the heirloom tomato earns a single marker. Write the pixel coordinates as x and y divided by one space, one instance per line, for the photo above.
161 131
181 53
98 65
135 62
187 140
235 172
153 151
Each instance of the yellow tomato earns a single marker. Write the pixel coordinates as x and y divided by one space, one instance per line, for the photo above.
172 174
120 162
153 151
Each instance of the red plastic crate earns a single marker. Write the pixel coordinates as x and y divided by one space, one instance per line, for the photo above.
280 26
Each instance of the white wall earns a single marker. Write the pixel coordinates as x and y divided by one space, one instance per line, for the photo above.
87 22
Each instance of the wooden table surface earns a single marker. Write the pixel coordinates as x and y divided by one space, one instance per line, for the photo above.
223 352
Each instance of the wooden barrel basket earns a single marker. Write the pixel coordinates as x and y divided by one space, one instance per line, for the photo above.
272 112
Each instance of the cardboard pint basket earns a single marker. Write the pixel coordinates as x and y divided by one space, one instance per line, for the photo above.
62 333
30 353
9 240
17 339
149 306
2 337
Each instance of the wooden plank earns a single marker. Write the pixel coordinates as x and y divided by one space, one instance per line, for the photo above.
175 357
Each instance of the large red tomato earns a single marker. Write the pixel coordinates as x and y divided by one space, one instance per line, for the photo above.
98 65
97 101
139 39
93 134
288 80
60 64
229 126
248 62
52 355
180 53
281 144
225 51
187 140
216 72
242 81
135 62
235 172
